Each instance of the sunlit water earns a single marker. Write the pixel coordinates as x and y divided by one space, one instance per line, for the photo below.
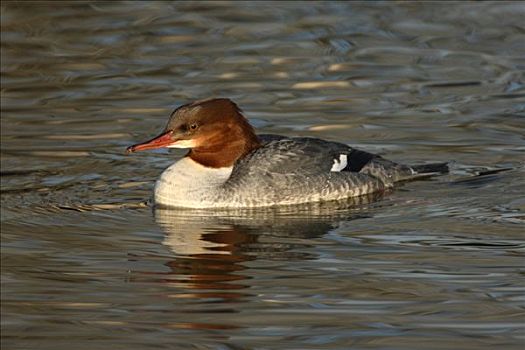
436 264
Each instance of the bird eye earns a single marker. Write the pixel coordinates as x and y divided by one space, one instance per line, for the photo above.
193 126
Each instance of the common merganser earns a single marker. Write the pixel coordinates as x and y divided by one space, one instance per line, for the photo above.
229 166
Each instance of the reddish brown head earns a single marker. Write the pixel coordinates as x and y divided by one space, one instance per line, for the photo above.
215 130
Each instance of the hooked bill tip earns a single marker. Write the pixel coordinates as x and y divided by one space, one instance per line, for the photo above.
130 149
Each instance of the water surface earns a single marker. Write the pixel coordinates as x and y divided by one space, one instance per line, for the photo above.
436 264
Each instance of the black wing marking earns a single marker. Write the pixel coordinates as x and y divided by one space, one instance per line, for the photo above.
357 159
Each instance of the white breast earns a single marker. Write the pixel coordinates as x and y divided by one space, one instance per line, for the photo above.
187 183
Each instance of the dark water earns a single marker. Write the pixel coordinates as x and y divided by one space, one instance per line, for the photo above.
436 264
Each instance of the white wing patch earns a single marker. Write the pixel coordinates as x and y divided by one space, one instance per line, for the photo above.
341 163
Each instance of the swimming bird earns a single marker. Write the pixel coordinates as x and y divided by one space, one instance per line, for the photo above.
229 166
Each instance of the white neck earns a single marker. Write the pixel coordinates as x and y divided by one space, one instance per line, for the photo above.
187 183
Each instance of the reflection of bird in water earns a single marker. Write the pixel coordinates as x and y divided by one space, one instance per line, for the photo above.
211 246
197 233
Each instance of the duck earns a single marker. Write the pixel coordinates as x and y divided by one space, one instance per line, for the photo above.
229 166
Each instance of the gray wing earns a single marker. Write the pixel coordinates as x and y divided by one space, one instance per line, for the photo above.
297 170
304 156
308 155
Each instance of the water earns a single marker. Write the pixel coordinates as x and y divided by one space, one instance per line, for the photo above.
436 264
